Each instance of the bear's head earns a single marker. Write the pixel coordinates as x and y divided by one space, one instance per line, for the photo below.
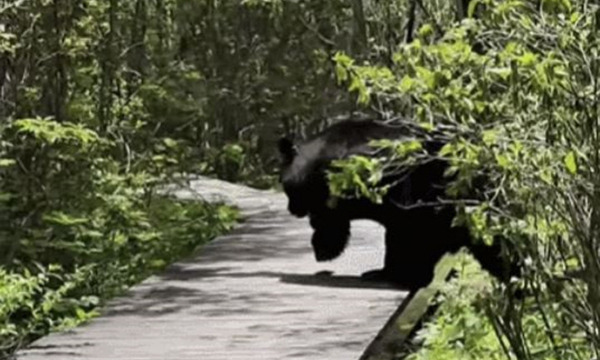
304 165
304 181
303 177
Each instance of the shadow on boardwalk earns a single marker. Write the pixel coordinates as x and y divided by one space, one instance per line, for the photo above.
253 242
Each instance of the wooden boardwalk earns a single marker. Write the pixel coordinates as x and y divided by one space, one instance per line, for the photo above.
256 293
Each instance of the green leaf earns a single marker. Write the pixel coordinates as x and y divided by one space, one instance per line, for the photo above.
60 218
502 160
427 126
571 163
170 142
4 197
119 238
427 76
490 137
407 83
7 162
426 30
503 72
406 147
342 63
528 59
81 314
447 149
567 4
472 6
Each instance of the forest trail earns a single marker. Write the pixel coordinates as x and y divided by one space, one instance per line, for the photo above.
256 293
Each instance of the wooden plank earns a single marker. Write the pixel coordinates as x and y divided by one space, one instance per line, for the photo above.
408 316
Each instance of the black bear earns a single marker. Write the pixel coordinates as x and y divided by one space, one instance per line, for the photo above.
416 237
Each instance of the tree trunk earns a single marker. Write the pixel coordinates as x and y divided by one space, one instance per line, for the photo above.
359 38
462 8
412 19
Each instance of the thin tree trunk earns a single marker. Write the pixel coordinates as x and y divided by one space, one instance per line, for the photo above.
137 47
462 8
105 105
412 15
359 39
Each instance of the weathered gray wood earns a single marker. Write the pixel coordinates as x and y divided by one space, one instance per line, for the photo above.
256 293
393 338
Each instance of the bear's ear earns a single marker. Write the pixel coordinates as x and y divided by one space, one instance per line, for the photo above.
287 149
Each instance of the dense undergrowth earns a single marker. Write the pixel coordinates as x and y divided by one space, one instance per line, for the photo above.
39 298
458 329
461 327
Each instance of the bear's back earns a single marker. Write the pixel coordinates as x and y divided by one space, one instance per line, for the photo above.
349 137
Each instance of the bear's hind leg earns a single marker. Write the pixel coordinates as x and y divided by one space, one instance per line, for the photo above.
412 252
